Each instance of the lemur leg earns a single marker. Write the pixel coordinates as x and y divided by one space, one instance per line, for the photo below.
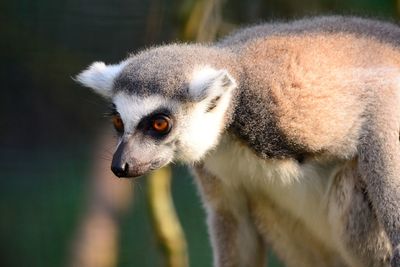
354 221
235 241
379 164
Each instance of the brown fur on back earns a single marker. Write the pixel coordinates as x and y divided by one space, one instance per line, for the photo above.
338 70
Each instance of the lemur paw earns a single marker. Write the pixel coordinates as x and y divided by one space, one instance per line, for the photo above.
395 262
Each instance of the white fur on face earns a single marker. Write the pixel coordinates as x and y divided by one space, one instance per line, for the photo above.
204 128
100 77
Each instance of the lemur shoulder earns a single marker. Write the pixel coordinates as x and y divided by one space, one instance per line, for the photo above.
292 130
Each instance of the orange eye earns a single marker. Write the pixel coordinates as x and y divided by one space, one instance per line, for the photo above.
118 123
161 124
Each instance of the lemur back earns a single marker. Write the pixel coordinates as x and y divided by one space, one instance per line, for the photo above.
380 30
292 130
285 74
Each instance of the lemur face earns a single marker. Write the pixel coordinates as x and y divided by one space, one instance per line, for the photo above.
160 125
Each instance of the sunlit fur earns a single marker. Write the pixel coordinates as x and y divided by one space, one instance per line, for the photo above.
292 130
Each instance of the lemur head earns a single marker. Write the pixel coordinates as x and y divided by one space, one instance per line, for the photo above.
169 103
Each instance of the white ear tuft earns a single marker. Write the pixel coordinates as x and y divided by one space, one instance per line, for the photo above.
208 82
100 77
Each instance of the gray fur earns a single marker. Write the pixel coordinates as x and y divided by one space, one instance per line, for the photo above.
165 70
323 91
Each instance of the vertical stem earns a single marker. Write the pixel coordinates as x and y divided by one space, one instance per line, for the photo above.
168 229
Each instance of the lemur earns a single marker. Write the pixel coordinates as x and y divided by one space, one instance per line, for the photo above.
291 129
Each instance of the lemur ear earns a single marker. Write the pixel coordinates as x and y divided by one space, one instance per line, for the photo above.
208 82
100 77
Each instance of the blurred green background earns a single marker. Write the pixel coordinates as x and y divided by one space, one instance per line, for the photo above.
52 130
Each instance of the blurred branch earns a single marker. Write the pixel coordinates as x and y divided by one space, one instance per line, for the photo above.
96 241
166 222
204 21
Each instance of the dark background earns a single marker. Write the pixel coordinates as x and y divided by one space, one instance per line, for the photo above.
50 126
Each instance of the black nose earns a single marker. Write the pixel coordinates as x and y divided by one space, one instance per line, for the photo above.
118 165
120 170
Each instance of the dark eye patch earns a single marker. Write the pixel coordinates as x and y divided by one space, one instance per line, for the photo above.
115 118
118 123
146 124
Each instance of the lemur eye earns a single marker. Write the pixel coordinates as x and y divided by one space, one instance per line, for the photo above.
118 123
161 124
